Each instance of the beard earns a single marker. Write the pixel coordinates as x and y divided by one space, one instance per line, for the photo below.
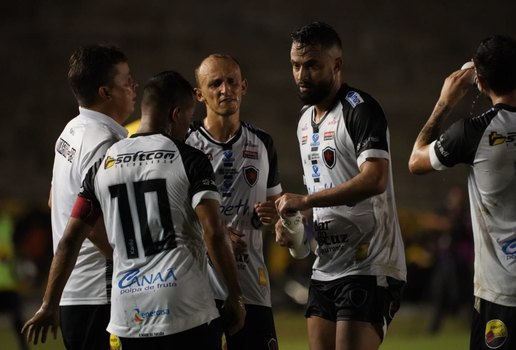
317 93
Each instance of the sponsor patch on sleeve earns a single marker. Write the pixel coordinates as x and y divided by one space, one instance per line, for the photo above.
354 98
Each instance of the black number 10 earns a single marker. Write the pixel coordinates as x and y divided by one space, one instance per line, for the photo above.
150 246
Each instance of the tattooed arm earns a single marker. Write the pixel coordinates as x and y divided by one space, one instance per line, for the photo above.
454 88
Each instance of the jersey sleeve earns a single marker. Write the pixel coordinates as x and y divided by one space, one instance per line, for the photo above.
200 173
273 178
97 140
368 128
456 145
87 190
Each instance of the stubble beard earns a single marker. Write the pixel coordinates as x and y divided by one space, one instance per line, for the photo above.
318 93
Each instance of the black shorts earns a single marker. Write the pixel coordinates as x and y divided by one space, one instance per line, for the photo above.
194 338
355 298
259 332
84 326
493 327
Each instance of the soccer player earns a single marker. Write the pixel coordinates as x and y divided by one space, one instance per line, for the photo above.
104 88
157 197
487 143
246 174
343 137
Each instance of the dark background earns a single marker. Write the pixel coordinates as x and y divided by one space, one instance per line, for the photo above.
399 51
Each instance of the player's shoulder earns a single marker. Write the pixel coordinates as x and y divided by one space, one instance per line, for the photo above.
352 97
189 152
260 133
98 131
483 120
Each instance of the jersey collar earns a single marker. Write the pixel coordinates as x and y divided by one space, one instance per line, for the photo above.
103 119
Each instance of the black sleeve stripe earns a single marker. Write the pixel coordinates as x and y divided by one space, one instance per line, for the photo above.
198 169
459 143
366 123
88 183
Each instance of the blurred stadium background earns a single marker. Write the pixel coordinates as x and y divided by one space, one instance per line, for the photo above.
400 51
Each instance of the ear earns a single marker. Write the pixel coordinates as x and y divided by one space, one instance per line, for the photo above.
174 114
198 95
244 86
104 93
480 83
338 64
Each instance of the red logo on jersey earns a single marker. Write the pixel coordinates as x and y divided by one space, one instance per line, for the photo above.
250 175
329 157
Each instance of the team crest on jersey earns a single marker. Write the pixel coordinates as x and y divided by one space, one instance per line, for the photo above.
251 175
329 157
354 98
495 334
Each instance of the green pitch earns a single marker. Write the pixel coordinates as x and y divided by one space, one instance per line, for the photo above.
407 332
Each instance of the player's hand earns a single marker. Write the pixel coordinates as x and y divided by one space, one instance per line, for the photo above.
44 319
282 236
289 203
456 86
267 212
234 314
237 240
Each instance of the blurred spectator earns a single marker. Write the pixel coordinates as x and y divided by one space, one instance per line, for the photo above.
452 280
33 241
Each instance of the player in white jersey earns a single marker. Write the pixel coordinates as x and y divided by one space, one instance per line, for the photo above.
344 144
246 173
487 144
157 196
101 81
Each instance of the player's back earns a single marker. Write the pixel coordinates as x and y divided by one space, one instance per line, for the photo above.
492 185
147 187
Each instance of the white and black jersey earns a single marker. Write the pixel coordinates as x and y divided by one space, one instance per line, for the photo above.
148 187
83 142
246 172
487 144
365 238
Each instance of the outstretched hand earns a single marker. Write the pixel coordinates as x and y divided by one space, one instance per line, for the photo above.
43 320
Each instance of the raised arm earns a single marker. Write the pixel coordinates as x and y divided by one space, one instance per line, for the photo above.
455 87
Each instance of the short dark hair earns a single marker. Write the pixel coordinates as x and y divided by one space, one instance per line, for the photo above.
91 67
167 90
317 33
495 62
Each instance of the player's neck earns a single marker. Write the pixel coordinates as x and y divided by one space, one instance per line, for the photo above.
106 110
508 99
323 107
222 128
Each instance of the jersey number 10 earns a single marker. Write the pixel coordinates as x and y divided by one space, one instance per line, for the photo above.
150 246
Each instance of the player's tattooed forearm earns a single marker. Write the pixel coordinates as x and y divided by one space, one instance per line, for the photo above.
432 128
